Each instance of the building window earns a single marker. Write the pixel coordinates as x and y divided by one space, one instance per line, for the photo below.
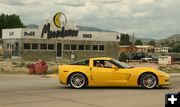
87 35
101 47
43 46
87 47
34 46
73 47
117 37
27 46
95 47
66 47
50 46
81 47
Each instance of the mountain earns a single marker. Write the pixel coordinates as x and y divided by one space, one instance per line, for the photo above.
171 38
146 40
33 26
175 37
82 28
85 28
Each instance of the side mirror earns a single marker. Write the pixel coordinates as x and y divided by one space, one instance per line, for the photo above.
115 67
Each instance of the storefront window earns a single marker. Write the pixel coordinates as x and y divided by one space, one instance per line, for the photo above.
87 35
87 47
66 47
101 47
34 46
27 46
73 47
81 47
43 46
95 47
50 46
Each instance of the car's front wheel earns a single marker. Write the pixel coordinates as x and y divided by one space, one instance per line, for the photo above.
148 80
78 80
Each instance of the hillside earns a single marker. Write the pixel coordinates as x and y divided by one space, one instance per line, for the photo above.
144 40
175 37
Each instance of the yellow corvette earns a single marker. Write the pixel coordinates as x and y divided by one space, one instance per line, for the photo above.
106 71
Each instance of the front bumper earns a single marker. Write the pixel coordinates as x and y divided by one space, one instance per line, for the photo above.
164 80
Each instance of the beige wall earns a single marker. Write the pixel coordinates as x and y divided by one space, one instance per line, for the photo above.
111 50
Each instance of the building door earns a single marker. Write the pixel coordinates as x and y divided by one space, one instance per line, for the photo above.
14 49
59 50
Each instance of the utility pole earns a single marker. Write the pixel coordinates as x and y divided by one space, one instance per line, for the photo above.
133 44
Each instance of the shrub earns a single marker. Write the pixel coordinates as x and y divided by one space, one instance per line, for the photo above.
123 57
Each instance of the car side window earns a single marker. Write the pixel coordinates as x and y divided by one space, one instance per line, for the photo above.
103 63
108 64
98 63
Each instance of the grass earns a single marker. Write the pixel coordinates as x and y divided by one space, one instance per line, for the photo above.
2 71
13 69
22 64
54 71
169 69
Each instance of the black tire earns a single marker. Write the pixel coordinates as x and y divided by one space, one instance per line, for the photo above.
148 81
78 80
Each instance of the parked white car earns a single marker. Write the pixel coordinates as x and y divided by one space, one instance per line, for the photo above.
146 59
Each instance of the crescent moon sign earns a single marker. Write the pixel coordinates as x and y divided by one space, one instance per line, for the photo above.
59 19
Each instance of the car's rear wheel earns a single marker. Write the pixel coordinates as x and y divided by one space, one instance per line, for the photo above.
148 80
78 80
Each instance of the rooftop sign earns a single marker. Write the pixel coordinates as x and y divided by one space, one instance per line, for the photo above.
60 20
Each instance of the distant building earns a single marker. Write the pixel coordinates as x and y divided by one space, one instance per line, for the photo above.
143 48
126 48
137 48
161 49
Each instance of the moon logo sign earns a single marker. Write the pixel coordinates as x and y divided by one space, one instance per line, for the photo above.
60 20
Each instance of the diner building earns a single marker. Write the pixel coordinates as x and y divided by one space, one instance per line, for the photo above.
49 43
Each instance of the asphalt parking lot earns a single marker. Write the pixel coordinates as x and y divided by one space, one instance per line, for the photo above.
35 91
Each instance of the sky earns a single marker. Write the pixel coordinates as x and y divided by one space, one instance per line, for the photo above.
156 19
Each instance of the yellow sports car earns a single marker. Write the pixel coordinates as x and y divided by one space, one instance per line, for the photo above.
110 72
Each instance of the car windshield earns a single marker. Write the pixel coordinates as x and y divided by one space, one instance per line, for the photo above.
121 64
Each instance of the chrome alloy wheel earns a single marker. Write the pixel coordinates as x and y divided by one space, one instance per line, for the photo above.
77 80
149 81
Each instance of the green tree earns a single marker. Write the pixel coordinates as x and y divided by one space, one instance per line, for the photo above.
162 43
125 40
138 42
176 47
9 21
172 43
152 42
